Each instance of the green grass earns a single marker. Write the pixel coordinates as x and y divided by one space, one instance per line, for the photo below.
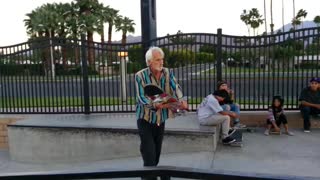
60 102
99 101
235 70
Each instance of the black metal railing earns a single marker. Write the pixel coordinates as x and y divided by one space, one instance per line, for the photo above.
75 76
168 172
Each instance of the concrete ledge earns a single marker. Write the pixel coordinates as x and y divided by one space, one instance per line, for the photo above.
4 122
43 140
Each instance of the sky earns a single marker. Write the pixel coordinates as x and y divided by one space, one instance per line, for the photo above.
189 16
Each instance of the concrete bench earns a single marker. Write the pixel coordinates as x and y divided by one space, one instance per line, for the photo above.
258 119
75 138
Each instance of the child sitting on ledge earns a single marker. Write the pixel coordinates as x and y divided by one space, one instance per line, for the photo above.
276 117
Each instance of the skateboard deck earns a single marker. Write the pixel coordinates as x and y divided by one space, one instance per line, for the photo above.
246 129
157 95
239 138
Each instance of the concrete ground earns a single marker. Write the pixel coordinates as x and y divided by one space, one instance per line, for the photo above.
275 154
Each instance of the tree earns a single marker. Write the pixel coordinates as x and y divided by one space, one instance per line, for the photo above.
255 19
125 25
89 21
44 22
297 20
245 17
317 20
252 19
182 39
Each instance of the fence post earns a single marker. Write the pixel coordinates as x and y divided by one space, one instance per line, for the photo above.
219 55
85 77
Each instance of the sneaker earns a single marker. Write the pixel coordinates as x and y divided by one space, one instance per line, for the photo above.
239 126
307 131
266 132
290 133
228 140
231 131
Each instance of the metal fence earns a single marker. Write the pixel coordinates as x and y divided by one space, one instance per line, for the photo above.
76 76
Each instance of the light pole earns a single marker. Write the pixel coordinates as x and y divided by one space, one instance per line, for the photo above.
123 71
51 56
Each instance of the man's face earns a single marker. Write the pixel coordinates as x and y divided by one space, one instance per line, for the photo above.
223 87
314 85
156 62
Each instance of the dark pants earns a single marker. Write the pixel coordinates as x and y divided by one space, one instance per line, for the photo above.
282 119
151 136
306 112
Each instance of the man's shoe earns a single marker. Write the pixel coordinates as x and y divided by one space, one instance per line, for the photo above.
266 132
306 131
228 140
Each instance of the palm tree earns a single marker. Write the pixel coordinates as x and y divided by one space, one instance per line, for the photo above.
302 14
255 19
111 18
317 20
125 25
74 28
245 17
44 22
89 21
297 20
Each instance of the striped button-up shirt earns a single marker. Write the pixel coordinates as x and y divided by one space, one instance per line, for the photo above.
167 83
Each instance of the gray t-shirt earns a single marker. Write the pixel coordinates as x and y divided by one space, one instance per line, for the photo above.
209 106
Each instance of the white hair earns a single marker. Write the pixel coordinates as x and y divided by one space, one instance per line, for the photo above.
149 53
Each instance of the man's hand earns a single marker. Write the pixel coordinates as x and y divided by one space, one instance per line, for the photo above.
317 106
233 115
184 105
162 105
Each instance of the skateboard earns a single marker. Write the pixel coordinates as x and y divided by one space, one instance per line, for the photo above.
157 95
246 129
238 136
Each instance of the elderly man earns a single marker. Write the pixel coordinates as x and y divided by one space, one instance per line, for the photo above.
310 102
151 123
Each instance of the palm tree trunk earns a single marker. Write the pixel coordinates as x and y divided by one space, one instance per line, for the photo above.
90 48
102 35
282 16
265 17
271 15
109 33
124 39
294 13
109 56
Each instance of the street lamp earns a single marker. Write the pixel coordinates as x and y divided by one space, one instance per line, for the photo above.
123 71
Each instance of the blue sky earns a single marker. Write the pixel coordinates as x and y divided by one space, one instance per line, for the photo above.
172 15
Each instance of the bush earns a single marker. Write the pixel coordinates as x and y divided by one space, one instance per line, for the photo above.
310 65
134 67
136 55
21 69
179 58
203 57
208 48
